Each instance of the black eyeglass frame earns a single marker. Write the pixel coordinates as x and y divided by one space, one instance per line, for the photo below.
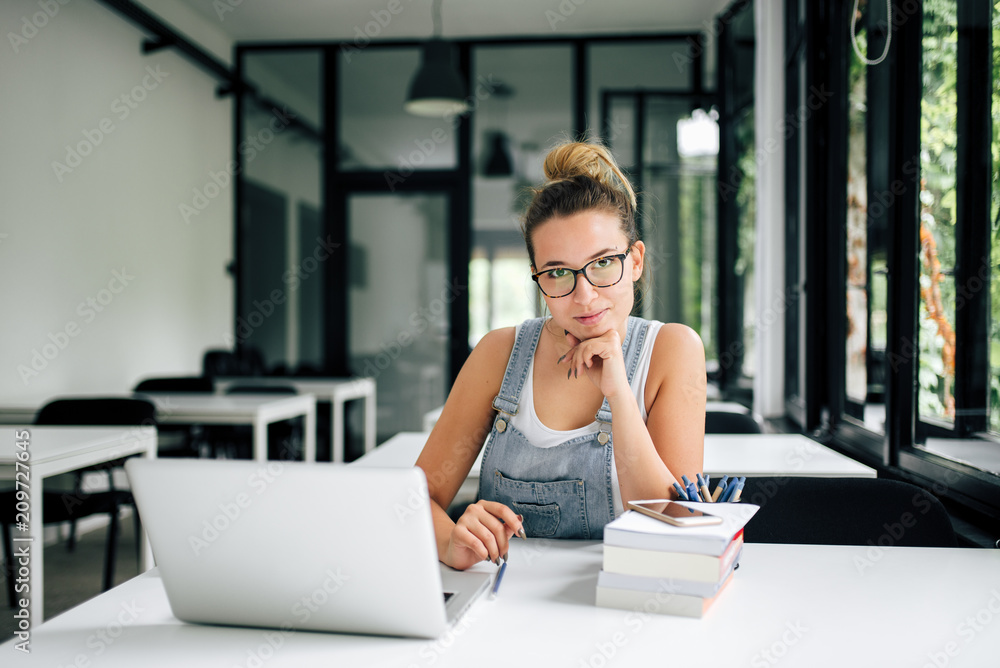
583 270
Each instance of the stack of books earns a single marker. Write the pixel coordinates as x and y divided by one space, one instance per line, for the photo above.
655 567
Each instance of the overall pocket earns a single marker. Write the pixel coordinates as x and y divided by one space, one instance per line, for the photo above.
554 509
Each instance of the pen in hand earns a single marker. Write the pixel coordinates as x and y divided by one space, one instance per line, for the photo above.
496 582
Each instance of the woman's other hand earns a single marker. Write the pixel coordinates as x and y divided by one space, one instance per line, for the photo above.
482 532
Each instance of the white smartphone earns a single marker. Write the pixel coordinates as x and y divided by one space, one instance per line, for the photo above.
667 511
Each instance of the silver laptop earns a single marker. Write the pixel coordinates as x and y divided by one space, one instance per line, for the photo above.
292 545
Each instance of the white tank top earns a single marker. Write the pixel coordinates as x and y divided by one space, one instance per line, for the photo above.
526 421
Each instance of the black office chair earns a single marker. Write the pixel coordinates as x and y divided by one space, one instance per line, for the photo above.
62 507
845 511
221 363
179 440
252 361
192 384
728 422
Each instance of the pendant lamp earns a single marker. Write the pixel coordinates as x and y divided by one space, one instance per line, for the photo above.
437 88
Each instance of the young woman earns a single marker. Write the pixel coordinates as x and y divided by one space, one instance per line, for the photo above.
542 395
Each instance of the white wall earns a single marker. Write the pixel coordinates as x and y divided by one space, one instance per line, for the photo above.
770 296
108 227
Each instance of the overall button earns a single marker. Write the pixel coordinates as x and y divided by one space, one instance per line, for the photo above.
602 437
501 426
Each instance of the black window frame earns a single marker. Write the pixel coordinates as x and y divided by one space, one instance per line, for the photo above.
894 92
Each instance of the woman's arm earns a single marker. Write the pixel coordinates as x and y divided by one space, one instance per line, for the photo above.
451 450
650 457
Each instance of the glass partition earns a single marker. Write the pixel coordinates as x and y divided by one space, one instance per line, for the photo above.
399 300
375 131
528 111
281 246
675 172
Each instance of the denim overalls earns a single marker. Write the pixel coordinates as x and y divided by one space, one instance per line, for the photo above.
562 491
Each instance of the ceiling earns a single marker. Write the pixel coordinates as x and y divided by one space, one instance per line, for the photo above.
350 20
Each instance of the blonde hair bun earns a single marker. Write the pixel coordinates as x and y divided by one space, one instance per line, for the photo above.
570 160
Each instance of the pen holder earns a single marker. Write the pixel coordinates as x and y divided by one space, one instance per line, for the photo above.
728 490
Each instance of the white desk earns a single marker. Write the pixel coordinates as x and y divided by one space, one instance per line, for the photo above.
52 451
258 410
337 391
750 455
755 455
788 605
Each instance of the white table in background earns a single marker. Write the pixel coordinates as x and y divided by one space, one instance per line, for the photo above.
53 451
18 415
788 605
751 455
337 391
258 410
431 417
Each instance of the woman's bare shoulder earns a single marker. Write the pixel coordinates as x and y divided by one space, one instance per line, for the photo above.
488 360
675 340
497 341
678 357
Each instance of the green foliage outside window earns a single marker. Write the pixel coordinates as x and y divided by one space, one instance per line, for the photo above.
938 140
938 219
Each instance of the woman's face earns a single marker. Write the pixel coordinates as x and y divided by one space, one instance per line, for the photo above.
572 242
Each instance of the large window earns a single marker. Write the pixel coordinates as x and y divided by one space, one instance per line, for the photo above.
938 162
865 256
994 328
738 155
910 376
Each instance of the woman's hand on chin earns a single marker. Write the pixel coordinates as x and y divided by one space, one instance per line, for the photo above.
600 358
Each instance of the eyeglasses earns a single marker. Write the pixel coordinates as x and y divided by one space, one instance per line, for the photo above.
601 273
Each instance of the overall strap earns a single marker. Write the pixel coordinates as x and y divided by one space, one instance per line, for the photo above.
519 366
631 352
